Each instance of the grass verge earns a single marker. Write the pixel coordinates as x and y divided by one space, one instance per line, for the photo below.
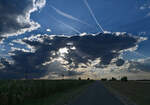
137 92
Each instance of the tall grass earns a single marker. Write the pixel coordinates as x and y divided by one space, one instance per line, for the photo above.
13 92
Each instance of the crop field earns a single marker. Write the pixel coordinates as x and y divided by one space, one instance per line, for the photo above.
19 92
136 91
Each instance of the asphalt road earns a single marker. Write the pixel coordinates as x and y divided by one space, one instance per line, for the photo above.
96 94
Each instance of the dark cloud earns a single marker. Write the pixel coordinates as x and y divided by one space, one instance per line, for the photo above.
89 47
120 62
64 55
15 16
21 67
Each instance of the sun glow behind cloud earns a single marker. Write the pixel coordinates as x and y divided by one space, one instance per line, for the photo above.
63 51
81 55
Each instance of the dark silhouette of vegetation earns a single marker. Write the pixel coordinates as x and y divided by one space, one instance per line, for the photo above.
104 79
125 79
113 79
79 78
63 76
88 78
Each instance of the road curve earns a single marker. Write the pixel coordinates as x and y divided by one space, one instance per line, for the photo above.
96 94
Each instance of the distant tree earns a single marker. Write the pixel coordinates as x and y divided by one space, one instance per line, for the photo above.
88 78
125 78
63 76
79 78
104 79
113 79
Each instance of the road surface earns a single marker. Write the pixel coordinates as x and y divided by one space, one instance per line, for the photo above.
96 94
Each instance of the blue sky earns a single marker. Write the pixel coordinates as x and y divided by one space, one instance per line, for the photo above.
113 15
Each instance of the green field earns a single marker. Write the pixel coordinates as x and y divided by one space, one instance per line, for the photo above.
39 92
136 91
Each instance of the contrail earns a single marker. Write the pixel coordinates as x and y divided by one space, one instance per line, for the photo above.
72 28
86 3
68 16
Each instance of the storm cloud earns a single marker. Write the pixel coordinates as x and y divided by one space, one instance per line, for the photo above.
67 55
82 50
15 16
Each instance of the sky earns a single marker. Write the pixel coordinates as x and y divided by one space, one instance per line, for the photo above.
52 39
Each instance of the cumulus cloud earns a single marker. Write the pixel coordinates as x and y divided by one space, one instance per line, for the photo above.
48 30
73 54
15 16
145 6
70 56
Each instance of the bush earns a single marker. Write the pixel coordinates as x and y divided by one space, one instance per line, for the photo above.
79 78
88 78
104 79
125 79
113 79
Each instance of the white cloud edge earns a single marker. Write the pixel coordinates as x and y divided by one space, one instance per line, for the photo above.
37 5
